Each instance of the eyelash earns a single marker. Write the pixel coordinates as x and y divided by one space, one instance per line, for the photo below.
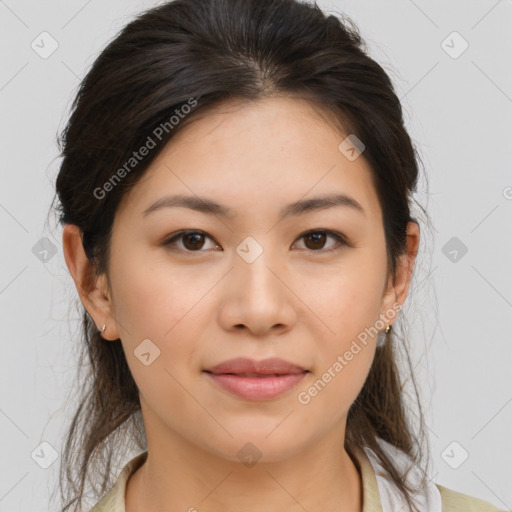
337 236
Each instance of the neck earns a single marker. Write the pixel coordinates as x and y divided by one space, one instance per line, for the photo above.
183 477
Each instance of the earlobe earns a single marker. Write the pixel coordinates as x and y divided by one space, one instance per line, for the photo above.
91 288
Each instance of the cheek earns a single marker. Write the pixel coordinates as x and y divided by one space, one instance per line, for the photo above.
151 297
157 306
349 300
335 384
349 305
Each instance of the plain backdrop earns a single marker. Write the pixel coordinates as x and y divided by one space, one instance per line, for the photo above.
451 66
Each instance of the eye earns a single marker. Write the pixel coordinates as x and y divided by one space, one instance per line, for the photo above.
194 240
317 238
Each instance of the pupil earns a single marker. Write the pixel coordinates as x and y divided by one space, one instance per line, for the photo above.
318 237
195 237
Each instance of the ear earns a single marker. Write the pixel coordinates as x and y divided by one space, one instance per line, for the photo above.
93 289
398 285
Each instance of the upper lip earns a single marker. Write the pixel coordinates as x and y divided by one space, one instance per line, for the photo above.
242 365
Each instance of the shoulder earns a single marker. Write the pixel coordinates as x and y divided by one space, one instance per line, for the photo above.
454 501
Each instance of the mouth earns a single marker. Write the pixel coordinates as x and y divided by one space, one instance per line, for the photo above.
254 380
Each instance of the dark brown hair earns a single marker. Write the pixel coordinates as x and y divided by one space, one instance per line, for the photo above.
205 53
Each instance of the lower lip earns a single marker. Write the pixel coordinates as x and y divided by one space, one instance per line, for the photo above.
257 388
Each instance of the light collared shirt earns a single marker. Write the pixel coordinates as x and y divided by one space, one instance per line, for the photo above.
452 501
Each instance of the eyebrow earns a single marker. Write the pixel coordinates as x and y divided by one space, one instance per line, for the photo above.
210 207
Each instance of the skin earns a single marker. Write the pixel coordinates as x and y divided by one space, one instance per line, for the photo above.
295 301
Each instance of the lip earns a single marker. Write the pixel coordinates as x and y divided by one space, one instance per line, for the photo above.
245 365
257 380
257 388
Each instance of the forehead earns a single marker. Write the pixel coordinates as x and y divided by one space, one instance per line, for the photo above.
258 154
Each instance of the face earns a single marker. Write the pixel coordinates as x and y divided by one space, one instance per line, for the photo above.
251 283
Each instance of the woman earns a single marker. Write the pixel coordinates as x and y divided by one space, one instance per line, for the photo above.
235 192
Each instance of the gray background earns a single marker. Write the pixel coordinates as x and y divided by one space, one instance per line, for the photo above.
458 108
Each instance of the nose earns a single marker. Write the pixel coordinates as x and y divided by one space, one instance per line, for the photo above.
258 296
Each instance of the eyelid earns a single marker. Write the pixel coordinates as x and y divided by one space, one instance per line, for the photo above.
340 239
